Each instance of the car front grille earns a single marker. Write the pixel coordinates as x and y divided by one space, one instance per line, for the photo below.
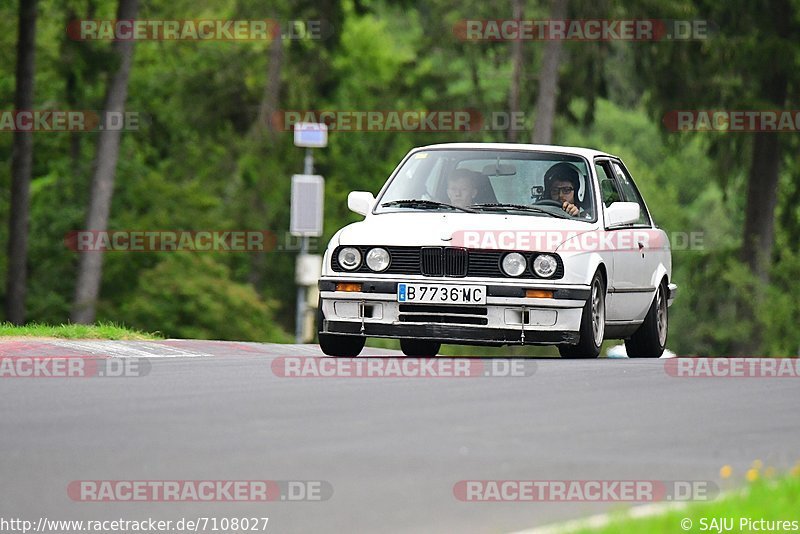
455 261
451 262
443 314
430 261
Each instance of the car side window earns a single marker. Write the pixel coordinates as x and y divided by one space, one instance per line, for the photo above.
608 187
630 193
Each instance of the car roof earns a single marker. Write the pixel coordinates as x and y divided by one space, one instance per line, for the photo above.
588 153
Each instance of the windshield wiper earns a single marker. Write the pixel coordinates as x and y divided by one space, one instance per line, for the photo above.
518 207
423 204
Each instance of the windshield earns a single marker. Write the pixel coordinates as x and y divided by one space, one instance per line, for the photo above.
530 183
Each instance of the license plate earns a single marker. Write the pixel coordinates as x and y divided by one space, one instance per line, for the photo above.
441 294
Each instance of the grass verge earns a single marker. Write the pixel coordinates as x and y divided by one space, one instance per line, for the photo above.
75 331
773 501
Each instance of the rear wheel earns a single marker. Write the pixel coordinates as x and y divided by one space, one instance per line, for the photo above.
420 348
650 339
338 345
593 324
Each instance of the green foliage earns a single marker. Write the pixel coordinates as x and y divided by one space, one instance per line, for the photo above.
780 308
770 500
200 161
191 296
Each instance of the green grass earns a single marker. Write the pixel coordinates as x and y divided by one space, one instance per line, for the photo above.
771 500
75 331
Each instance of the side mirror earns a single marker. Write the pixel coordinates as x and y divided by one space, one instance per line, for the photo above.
622 213
360 202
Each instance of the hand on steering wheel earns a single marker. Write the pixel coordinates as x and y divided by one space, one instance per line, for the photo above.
571 209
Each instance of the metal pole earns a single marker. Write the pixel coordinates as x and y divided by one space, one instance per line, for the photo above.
300 317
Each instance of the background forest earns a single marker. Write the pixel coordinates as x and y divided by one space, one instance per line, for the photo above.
206 156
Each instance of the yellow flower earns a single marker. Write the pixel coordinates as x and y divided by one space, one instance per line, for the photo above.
752 475
725 471
757 464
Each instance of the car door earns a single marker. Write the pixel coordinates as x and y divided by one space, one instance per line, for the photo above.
629 286
657 252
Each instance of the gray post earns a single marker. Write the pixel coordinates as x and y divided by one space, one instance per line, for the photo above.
300 317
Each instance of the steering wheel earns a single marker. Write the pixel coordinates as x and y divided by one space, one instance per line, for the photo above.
548 202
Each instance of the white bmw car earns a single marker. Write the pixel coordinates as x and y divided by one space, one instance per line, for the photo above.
497 244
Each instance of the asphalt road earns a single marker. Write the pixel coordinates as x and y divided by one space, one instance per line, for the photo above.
391 449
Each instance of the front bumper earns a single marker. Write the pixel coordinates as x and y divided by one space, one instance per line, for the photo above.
508 317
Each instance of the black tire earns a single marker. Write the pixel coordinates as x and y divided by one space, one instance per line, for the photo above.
593 324
650 339
338 345
420 348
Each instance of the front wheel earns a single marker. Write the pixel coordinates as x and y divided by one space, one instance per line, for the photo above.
419 348
337 345
593 324
341 346
650 339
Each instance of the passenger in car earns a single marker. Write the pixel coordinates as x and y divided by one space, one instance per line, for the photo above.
462 187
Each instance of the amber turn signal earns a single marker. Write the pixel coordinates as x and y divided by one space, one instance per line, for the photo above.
538 294
344 286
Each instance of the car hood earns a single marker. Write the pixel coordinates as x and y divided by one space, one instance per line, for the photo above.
457 229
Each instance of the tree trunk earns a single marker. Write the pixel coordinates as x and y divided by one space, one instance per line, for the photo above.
90 268
516 73
548 82
21 168
71 92
269 105
762 180
762 198
272 89
762 184
759 231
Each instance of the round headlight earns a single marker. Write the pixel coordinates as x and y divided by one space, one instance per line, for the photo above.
378 259
545 265
349 258
514 264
